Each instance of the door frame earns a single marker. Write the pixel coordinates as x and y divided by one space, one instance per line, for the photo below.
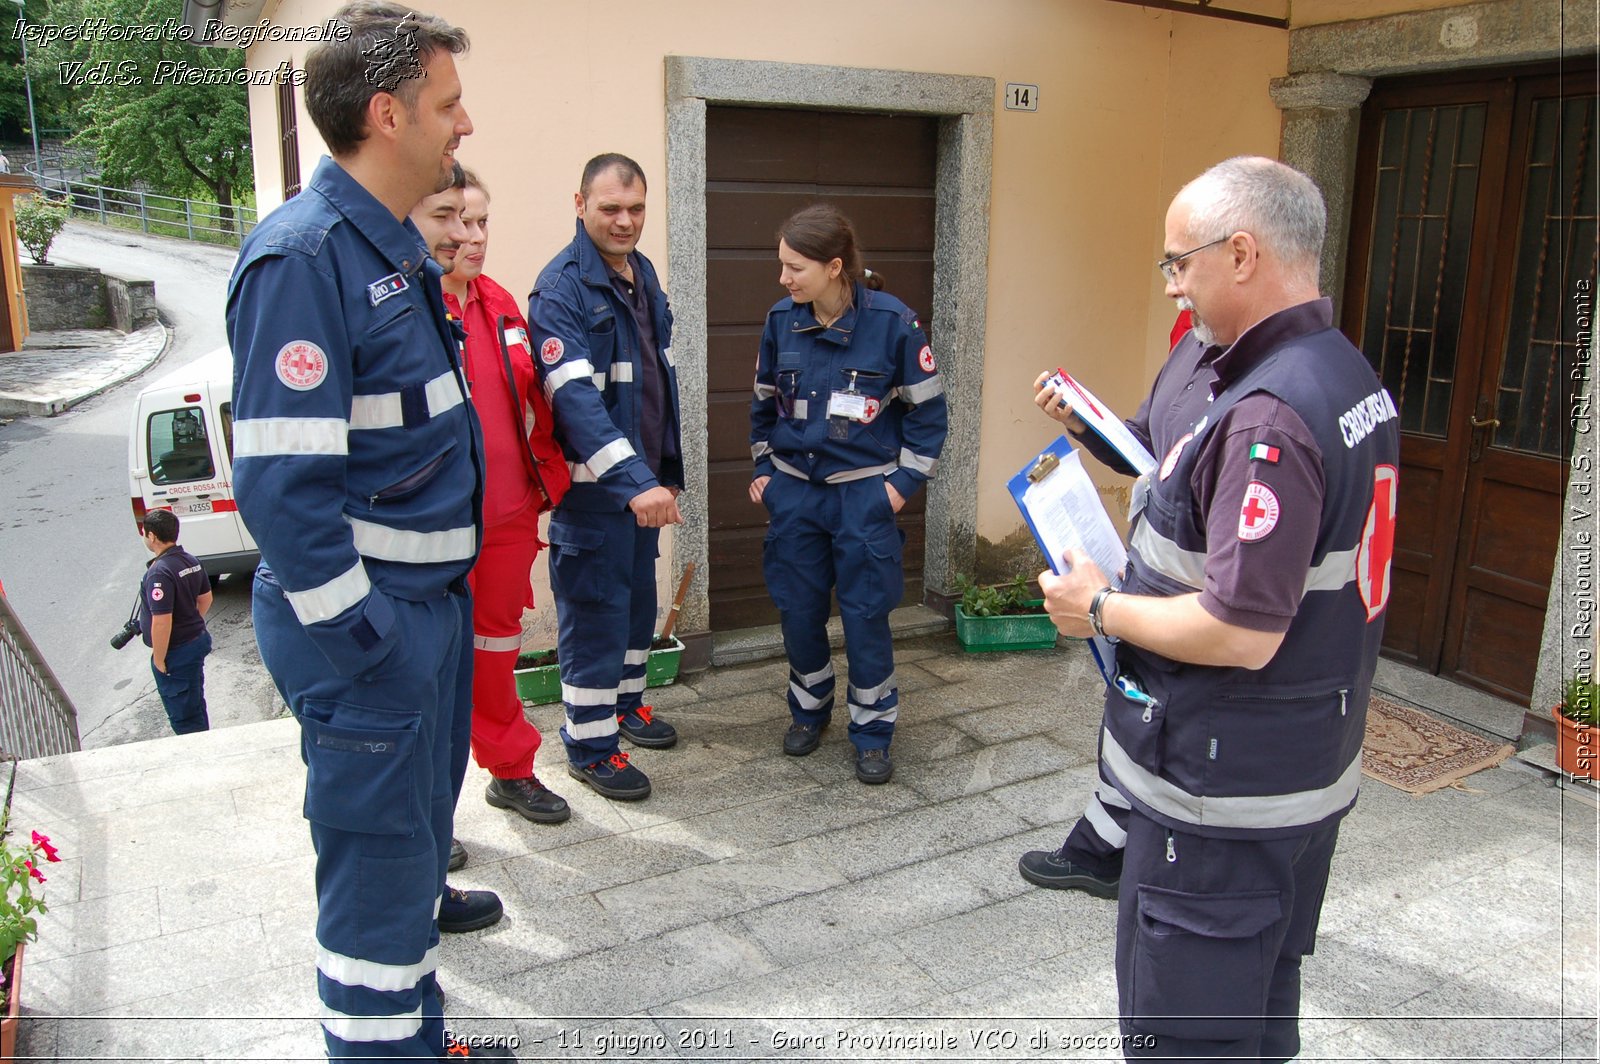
965 106
1331 69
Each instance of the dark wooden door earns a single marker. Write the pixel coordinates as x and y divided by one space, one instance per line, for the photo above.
761 165
1474 221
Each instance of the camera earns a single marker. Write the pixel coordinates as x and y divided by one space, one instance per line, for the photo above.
121 639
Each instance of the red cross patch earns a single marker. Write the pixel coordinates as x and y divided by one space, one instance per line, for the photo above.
870 410
301 365
156 593
551 350
925 359
1259 514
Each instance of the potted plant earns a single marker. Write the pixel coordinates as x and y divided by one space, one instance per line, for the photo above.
1001 617
539 676
19 870
1577 734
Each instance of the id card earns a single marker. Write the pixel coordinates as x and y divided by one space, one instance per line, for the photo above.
852 405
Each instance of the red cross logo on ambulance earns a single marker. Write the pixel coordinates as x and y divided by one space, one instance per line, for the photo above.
869 410
1259 514
551 351
301 365
925 359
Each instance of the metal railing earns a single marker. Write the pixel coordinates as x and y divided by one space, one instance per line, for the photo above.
37 718
154 213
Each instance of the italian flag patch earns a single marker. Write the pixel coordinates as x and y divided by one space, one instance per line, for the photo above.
1263 452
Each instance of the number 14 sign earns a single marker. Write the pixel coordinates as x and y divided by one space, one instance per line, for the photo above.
1020 97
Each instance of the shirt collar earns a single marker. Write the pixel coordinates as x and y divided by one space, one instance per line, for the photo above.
841 329
397 241
1266 336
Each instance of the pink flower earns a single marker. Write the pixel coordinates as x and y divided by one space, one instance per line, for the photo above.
43 842
32 871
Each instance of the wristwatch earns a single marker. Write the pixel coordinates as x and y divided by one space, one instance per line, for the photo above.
1097 604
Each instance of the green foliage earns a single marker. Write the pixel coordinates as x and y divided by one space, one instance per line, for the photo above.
994 600
1578 701
146 126
19 870
53 103
39 222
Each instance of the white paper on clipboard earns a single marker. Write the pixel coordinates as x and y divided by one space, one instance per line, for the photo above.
1065 511
1102 421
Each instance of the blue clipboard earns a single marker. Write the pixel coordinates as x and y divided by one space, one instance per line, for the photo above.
1038 468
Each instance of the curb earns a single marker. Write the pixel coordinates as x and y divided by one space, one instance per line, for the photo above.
13 403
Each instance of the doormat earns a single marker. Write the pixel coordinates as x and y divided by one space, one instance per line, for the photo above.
1408 749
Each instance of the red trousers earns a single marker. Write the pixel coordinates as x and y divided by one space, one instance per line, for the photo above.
502 739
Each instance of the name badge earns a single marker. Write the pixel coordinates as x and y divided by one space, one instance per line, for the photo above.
385 287
852 405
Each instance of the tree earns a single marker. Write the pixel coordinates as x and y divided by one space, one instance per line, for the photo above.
148 122
53 103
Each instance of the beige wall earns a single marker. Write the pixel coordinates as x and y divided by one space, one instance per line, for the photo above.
1132 103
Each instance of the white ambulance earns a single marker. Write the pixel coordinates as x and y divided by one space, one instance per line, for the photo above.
180 458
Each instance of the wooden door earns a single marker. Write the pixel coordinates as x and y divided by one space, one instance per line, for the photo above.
762 165
1474 221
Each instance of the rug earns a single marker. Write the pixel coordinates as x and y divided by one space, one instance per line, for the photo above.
1408 749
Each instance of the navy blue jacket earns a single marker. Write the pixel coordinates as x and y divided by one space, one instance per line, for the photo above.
878 348
588 349
356 455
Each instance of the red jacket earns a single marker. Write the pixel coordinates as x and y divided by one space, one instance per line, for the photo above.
496 329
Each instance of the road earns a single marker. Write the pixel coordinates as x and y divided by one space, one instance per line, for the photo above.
70 557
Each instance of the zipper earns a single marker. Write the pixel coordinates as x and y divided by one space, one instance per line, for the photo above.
1172 849
411 484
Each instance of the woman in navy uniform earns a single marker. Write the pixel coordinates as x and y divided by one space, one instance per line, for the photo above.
847 423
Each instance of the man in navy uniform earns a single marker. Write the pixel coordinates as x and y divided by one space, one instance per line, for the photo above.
1249 621
174 598
602 330
358 471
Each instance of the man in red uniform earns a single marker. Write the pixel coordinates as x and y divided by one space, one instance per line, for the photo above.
525 475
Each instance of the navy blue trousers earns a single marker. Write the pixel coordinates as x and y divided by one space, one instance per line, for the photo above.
385 755
839 539
183 686
603 579
1210 933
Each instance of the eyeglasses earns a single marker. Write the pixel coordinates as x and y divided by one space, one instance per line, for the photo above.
1169 267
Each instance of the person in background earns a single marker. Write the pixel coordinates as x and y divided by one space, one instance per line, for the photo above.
525 476
603 329
846 424
174 598
438 219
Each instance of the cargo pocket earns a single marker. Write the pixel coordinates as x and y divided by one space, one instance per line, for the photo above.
360 774
886 548
575 570
1200 964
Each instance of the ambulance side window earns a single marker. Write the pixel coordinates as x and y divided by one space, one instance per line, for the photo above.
178 447
226 410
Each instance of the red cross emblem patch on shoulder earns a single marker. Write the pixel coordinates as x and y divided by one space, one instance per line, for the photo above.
551 350
1259 514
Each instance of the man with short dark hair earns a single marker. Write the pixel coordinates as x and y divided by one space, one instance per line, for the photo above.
603 331
174 598
358 470
1247 625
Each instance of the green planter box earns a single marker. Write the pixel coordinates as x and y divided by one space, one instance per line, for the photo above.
661 667
541 684
1032 631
